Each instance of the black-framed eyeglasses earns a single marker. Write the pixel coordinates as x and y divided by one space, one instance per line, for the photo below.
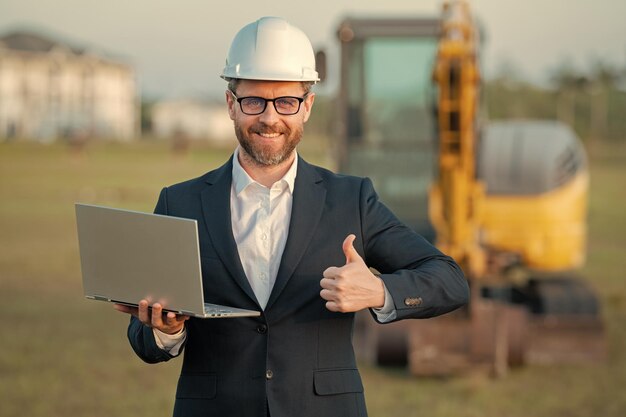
286 105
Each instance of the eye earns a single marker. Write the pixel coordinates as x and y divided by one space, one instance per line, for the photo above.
253 101
287 102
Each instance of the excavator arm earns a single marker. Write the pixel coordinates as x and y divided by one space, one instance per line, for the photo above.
457 196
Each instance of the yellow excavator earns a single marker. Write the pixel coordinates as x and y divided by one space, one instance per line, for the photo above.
507 199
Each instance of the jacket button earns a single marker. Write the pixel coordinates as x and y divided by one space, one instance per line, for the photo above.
261 328
413 301
269 374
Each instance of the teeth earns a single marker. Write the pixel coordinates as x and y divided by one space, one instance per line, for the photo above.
269 135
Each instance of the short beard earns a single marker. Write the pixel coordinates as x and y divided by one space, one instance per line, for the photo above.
264 156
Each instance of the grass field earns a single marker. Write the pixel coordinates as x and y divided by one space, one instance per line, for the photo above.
64 356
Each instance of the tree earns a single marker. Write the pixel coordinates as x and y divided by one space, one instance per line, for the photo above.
603 79
569 83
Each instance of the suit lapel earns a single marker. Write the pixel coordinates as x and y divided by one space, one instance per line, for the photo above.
216 212
308 203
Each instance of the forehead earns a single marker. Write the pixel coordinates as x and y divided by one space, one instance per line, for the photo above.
269 89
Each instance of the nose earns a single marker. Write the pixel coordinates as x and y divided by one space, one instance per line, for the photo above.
269 116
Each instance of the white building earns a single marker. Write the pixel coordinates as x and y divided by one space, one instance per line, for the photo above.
193 119
49 89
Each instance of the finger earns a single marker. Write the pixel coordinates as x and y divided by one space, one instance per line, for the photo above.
332 306
173 319
327 295
348 249
181 318
157 318
330 272
142 312
169 319
327 283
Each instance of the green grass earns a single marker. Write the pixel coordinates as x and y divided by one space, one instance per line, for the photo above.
65 356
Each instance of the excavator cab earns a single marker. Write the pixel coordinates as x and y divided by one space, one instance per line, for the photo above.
386 111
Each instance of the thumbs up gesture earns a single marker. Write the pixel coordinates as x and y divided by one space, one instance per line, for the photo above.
351 287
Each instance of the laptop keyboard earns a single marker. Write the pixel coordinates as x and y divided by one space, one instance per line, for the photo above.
216 310
212 309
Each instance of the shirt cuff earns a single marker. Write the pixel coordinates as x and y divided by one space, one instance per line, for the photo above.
387 312
171 343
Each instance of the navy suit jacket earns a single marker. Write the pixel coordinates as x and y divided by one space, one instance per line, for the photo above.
296 358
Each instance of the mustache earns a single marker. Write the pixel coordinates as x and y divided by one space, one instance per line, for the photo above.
266 129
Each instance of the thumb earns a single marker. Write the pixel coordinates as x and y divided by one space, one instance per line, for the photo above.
348 249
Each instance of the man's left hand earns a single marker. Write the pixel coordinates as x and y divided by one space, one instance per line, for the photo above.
351 287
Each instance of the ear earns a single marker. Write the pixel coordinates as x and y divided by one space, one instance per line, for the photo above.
307 105
230 101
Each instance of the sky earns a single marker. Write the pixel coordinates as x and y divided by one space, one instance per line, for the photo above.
178 47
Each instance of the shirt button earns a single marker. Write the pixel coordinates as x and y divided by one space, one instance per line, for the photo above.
262 275
261 328
269 374
264 236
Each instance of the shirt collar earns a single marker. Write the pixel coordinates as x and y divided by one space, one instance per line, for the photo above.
241 179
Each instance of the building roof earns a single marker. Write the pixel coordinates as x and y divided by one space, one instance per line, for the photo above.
35 42
29 41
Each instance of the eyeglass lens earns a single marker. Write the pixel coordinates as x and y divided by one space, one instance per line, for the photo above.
283 105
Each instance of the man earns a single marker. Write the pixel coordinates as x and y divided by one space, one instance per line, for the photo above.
293 241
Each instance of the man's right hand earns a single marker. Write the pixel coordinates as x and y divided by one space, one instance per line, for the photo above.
169 323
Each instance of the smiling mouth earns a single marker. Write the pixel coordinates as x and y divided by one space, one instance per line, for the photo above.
269 135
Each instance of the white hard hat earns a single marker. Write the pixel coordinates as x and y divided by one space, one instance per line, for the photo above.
270 49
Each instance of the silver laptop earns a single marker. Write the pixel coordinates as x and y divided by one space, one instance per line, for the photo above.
127 256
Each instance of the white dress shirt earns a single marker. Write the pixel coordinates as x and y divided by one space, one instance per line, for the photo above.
260 218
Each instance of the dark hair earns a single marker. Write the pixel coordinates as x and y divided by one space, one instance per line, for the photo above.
234 82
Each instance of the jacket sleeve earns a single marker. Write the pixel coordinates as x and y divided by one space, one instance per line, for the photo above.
140 336
422 281
142 341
